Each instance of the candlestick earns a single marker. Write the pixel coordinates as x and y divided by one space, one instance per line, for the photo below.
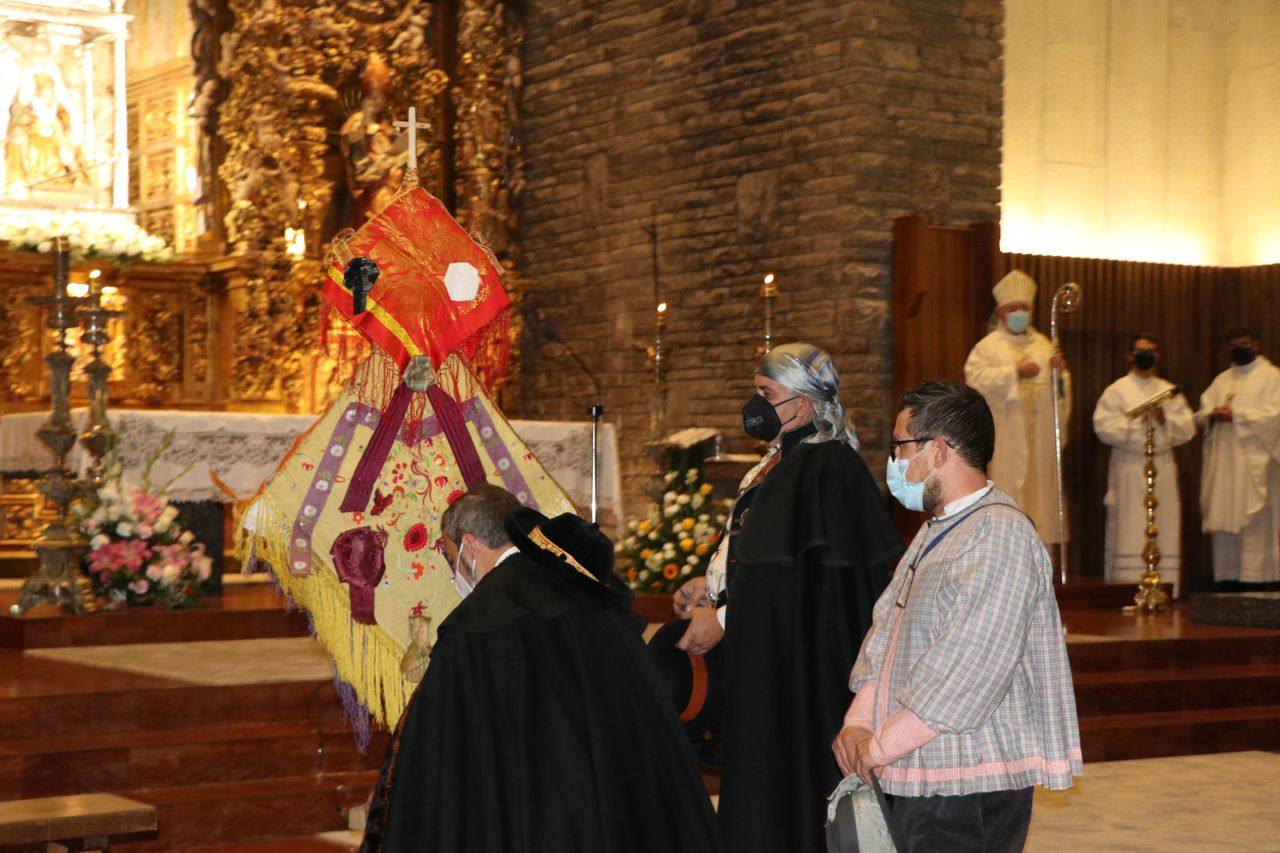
769 292
58 580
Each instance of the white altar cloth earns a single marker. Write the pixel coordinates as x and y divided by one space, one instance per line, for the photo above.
244 448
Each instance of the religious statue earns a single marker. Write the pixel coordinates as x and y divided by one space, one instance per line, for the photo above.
373 153
42 145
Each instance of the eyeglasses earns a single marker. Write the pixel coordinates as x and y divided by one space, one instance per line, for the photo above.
895 443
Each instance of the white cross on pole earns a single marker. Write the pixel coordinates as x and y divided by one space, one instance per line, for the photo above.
412 125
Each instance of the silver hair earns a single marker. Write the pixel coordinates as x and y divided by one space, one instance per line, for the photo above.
480 512
807 370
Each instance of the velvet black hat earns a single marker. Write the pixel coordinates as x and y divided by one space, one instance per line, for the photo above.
567 544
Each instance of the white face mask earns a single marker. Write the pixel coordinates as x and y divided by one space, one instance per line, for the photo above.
461 585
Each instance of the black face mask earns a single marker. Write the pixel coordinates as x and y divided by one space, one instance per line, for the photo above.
1243 355
760 418
1144 359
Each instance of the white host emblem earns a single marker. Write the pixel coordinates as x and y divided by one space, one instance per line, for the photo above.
462 281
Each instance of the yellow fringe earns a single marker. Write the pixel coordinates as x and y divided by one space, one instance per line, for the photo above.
365 656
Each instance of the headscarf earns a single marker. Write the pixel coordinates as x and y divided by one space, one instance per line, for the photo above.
807 370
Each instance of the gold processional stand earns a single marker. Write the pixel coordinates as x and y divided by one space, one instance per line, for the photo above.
1151 597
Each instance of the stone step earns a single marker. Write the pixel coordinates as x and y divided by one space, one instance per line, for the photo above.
1137 655
246 613
256 812
144 709
1183 689
172 757
1116 737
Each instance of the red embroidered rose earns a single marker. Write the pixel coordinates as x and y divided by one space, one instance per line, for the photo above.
453 497
416 538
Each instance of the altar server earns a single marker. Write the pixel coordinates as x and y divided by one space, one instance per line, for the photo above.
1126 481
1240 487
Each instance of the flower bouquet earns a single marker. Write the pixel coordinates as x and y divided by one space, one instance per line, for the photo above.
674 541
138 551
108 239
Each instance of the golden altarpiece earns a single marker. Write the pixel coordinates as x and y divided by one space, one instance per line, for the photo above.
245 135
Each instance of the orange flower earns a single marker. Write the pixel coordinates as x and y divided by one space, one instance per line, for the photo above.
631 574
646 554
702 549
669 571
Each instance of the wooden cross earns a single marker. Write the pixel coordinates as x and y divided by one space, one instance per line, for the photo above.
412 125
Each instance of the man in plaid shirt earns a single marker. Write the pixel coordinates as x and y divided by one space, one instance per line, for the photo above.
964 699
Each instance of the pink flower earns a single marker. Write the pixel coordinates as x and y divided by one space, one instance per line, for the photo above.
204 567
143 531
147 507
139 586
154 572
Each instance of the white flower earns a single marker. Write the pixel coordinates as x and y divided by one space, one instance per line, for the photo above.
644 574
670 511
170 574
124 528
98 541
683 500
698 500
686 570
45 246
669 497
692 559
669 547
653 537
704 518
691 476
187 537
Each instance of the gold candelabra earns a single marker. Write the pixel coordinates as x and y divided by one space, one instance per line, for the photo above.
1151 596
98 438
58 579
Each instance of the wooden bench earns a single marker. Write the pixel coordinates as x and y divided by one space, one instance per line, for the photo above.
83 822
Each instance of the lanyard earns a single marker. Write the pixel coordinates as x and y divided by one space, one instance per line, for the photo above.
905 592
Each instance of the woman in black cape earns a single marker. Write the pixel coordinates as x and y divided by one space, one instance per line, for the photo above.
810 548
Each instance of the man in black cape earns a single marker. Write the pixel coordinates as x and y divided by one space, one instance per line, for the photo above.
809 550
540 724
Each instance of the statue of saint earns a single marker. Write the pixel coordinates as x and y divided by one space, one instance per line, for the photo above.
41 147
373 152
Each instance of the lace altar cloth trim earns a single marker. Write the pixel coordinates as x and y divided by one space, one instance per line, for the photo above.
244 448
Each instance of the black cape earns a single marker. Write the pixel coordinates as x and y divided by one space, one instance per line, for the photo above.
540 725
815 551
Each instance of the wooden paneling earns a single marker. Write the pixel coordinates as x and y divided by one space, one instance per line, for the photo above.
943 306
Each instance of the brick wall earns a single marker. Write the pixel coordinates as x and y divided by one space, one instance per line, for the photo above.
779 136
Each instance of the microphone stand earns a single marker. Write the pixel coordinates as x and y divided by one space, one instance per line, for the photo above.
596 411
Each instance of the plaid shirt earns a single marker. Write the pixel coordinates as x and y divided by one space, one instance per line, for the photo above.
978 655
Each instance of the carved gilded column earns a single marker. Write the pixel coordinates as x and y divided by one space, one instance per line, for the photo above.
487 158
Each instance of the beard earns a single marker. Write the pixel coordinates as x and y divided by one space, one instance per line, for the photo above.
933 497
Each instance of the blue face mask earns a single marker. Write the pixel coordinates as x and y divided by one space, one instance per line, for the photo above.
1018 321
910 495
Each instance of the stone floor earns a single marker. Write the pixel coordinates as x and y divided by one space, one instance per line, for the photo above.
1183 804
